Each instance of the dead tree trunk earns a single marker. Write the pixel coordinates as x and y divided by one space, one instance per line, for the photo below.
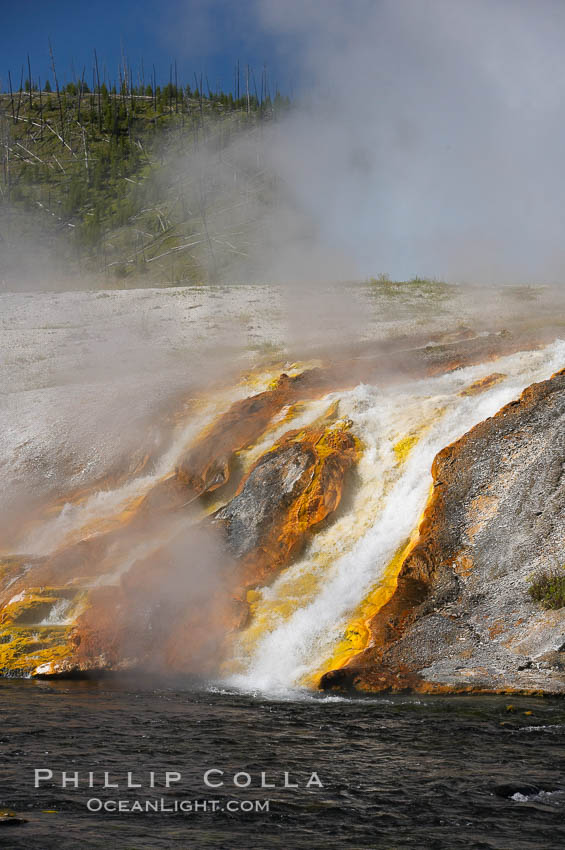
98 88
12 97
20 93
40 111
80 90
58 92
30 85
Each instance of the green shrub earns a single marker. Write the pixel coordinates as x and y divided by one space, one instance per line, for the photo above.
548 588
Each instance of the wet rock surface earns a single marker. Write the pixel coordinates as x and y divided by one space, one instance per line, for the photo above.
291 489
119 574
461 617
280 474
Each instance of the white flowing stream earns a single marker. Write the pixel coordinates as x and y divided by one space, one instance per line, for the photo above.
302 615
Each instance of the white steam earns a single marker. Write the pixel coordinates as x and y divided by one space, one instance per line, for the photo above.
430 141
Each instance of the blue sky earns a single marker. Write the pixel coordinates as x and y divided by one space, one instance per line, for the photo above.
207 36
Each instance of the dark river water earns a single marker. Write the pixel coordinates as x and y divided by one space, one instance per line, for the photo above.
401 772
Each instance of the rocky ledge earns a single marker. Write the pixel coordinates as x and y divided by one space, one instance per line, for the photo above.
461 618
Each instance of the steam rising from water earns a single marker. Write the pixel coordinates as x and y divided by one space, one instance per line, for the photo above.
74 519
71 439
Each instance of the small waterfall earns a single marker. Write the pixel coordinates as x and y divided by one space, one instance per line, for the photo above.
300 618
58 615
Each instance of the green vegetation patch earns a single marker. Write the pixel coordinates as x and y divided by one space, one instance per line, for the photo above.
548 588
129 180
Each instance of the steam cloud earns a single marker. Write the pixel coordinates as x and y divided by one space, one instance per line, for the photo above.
432 144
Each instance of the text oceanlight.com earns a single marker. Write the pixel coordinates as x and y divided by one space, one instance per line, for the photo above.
95 804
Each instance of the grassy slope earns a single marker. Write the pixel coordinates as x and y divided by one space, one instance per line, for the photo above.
127 192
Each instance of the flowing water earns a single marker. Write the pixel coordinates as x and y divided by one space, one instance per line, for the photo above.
403 772
479 773
300 618
299 622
